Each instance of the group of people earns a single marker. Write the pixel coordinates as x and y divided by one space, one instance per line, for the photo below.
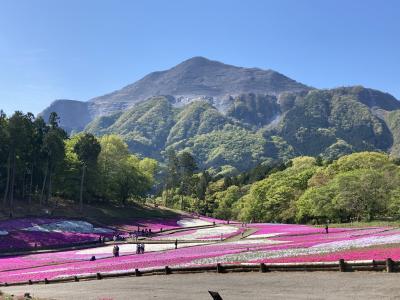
118 237
144 232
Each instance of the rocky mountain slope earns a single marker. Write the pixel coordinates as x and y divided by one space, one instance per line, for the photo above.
193 79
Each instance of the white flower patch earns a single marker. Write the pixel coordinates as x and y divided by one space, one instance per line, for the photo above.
186 222
131 248
213 233
254 241
359 243
3 232
68 226
263 235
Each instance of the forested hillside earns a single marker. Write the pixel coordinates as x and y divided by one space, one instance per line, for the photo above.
362 186
257 128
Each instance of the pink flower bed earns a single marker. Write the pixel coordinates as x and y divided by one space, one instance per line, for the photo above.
27 239
290 229
356 254
20 239
17 224
295 246
39 271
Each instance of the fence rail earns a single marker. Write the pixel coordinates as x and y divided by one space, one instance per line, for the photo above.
387 265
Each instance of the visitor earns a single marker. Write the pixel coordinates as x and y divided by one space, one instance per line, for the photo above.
137 248
142 248
117 251
93 258
326 228
176 244
150 232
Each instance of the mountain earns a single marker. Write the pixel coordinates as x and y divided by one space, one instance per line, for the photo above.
232 118
256 128
194 79
74 115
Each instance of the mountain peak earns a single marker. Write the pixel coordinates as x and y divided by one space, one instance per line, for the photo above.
195 78
197 60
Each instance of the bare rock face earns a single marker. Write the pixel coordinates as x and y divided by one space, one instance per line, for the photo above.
194 79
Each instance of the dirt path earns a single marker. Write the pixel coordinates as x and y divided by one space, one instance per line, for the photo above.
316 285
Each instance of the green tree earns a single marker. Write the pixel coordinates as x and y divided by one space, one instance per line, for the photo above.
87 149
53 149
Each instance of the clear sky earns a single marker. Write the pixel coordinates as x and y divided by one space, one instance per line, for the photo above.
79 49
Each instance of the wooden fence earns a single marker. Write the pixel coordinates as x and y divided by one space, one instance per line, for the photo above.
387 265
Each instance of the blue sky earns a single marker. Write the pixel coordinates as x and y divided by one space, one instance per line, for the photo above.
73 49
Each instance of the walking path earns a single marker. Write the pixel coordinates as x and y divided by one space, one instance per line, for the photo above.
314 285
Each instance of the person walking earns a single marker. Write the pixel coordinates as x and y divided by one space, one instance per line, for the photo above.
176 244
326 228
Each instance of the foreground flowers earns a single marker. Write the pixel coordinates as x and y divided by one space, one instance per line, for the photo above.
269 243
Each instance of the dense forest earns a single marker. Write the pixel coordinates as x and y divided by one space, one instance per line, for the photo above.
39 162
361 186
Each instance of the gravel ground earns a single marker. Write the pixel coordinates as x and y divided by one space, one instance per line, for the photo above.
312 285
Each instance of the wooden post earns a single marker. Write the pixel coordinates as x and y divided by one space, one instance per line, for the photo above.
167 270
342 265
263 268
219 268
389 265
